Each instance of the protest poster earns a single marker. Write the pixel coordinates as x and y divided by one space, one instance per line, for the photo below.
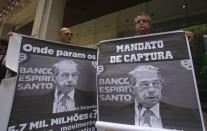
148 81
55 88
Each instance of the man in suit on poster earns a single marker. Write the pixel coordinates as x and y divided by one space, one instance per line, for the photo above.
147 86
148 109
66 74
65 97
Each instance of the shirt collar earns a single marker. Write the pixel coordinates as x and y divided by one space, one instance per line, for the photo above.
155 109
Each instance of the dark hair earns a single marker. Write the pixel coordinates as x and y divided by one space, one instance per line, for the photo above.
3 42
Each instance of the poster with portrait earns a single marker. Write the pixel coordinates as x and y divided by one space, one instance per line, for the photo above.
55 88
148 81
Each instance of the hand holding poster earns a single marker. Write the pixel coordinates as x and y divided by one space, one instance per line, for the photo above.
148 81
55 89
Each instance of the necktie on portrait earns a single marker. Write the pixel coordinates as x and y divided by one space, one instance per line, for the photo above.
147 114
64 100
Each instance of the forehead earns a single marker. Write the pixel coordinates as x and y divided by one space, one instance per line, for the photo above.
67 70
67 67
142 17
144 75
64 70
150 78
65 30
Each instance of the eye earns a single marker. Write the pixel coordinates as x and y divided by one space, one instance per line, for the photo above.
64 75
156 83
144 84
69 33
142 20
137 22
75 75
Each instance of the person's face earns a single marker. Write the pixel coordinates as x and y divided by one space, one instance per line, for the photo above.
148 91
66 35
66 79
142 25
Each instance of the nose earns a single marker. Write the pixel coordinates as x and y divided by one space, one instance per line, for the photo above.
151 89
70 78
141 21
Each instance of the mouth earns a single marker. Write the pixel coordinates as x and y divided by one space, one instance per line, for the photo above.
70 85
152 97
142 27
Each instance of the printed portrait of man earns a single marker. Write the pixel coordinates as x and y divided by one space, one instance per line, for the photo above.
65 75
67 97
150 111
147 87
